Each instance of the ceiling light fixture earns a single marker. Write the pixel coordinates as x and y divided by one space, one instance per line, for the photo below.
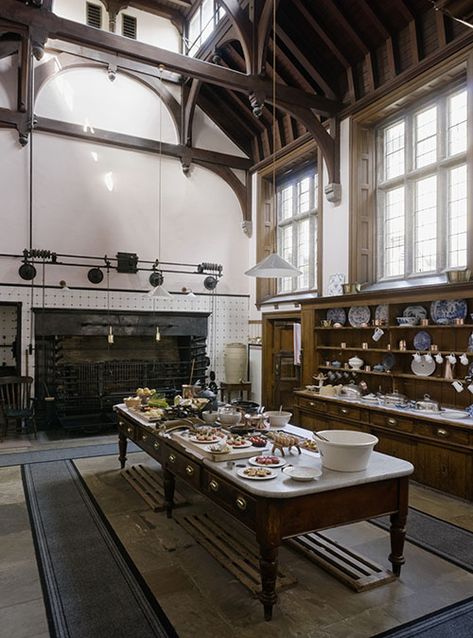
273 265
156 278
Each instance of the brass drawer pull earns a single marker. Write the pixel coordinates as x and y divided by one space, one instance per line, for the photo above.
392 422
343 410
241 503
214 485
312 404
129 430
121 423
189 470
156 445
442 432
144 437
172 458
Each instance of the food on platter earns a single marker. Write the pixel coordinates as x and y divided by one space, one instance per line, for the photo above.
206 435
157 401
132 402
267 460
309 445
238 441
257 441
145 392
256 471
153 414
219 448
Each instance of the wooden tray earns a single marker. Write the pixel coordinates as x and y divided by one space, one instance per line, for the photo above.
234 455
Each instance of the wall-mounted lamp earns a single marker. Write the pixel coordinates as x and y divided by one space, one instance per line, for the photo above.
95 275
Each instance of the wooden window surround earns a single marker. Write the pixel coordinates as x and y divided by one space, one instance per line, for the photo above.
363 227
266 223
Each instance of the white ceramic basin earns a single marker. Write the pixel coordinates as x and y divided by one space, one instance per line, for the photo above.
346 450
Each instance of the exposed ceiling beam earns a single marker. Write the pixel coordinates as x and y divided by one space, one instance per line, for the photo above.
46 24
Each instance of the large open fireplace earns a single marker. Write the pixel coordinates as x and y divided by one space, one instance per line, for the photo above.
80 375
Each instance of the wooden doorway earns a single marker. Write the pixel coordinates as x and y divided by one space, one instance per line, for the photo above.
280 375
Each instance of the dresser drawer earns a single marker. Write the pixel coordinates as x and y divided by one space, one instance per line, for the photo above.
392 422
344 411
233 499
126 428
440 432
311 404
180 465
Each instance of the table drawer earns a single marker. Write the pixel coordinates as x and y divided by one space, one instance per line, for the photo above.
344 411
180 465
126 428
312 404
150 442
439 432
392 422
238 502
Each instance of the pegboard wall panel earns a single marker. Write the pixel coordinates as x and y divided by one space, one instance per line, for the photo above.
7 334
228 321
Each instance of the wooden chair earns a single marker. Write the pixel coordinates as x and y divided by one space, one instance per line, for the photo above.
16 403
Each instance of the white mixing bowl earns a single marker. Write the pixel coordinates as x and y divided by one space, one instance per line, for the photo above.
346 450
278 419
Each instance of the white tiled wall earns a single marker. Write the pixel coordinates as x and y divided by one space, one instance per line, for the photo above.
230 322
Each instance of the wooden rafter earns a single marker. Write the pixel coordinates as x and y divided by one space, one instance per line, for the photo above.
243 27
47 24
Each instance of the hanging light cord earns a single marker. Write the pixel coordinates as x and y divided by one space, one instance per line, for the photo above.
160 169
274 104
450 15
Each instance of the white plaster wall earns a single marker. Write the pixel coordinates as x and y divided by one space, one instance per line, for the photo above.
206 134
87 97
336 217
8 82
71 9
152 29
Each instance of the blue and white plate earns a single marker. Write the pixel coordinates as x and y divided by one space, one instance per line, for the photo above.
422 340
337 315
389 361
382 313
419 312
358 315
445 311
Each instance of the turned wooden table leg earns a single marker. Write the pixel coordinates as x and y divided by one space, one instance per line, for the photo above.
169 485
269 572
122 445
398 529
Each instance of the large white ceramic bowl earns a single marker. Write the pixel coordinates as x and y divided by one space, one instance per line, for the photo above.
278 419
229 418
210 417
346 450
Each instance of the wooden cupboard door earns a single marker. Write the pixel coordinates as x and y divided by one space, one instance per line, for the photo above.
444 469
397 447
311 422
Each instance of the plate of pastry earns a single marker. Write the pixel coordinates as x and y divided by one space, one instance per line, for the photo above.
238 442
256 473
267 460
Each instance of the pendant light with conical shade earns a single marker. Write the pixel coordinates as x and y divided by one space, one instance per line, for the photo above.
273 266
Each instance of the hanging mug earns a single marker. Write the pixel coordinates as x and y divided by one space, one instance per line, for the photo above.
452 359
377 334
428 358
417 357
438 358
464 359
458 385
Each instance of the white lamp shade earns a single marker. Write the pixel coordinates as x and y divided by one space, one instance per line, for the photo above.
159 291
273 266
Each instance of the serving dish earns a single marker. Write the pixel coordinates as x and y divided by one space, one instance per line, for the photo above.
422 340
346 450
407 321
278 419
445 311
337 315
277 462
246 474
381 313
302 472
359 315
423 368
419 312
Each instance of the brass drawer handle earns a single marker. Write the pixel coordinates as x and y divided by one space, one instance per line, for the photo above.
121 423
129 430
392 422
312 404
189 470
156 445
144 437
442 432
343 410
241 503
172 458
214 486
